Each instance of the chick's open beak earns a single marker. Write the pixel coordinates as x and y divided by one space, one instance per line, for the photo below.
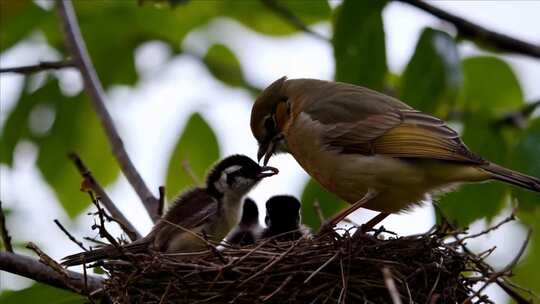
267 171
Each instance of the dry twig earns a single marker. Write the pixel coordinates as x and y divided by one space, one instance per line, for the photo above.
69 235
33 269
41 66
78 50
475 32
292 19
118 216
6 239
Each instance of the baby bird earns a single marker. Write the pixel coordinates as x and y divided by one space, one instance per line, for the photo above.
283 219
211 211
249 229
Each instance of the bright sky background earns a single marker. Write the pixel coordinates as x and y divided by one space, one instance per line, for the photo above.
152 114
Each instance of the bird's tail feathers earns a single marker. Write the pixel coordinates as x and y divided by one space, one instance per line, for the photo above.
106 252
90 256
512 177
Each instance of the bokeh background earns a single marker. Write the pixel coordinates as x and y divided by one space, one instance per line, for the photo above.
181 77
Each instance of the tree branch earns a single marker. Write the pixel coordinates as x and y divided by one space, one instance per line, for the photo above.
6 239
124 223
93 87
35 270
478 33
41 66
291 18
519 118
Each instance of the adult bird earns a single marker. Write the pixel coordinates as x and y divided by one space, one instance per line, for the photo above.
283 219
370 149
210 211
248 229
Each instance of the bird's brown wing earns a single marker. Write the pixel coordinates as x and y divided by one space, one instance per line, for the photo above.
402 133
190 211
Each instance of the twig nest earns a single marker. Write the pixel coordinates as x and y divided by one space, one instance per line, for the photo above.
332 268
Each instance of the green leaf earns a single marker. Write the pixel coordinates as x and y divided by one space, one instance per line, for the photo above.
43 294
113 30
359 47
330 204
475 201
261 18
490 85
433 76
196 151
17 20
224 66
526 159
75 129
526 272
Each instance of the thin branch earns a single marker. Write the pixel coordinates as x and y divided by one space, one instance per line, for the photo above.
121 219
475 32
291 18
6 239
77 46
69 235
47 260
41 66
391 286
318 211
519 118
161 200
494 277
33 269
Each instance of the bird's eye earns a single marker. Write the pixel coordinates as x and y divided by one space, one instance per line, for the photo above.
269 123
230 178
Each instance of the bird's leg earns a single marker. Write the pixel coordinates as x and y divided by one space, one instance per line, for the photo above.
344 213
374 221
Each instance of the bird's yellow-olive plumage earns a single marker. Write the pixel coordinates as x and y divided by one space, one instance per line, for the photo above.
354 140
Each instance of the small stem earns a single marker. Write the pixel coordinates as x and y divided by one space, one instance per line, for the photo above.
41 66
6 239
69 235
119 217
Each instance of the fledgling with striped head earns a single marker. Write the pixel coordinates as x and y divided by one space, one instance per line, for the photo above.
210 211
370 149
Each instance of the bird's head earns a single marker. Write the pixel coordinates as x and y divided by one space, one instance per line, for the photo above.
236 175
270 115
250 213
283 213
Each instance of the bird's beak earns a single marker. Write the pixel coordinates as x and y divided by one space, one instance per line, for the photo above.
266 149
267 171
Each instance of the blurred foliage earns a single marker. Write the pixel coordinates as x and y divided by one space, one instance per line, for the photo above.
57 125
359 47
196 151
41 293
329 203
435 55
526 159
482 104
473 91
224 66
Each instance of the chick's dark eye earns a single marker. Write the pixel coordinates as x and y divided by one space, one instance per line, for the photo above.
230 179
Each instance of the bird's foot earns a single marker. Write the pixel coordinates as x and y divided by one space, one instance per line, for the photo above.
327 226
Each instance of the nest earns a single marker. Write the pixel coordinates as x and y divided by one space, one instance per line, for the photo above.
331 268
